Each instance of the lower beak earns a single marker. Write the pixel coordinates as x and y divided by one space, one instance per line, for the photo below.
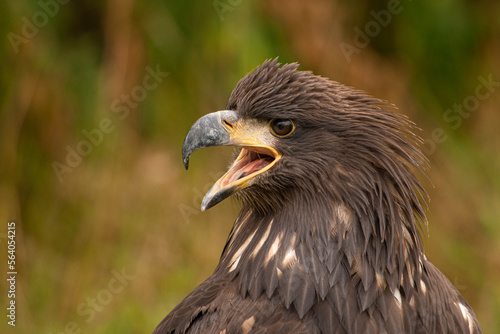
224 128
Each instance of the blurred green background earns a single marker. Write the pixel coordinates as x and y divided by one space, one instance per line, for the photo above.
113 240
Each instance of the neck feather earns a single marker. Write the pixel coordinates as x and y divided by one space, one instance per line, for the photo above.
306 251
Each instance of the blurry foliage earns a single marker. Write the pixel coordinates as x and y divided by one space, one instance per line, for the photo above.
129 204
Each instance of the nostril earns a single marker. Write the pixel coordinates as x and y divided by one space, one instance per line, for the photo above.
228 119
228 125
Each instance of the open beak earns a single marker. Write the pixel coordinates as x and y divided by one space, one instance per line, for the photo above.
224 128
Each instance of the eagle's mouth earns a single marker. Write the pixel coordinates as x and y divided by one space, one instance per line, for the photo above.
225 128
251 162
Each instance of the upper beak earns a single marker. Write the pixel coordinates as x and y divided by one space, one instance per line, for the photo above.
225 128
208 131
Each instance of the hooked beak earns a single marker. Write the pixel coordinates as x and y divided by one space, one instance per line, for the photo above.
224 128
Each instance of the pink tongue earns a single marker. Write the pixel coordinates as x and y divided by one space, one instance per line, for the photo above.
249 169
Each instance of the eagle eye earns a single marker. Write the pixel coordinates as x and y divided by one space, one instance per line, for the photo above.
281 127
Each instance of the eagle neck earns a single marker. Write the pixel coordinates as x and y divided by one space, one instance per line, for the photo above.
316 247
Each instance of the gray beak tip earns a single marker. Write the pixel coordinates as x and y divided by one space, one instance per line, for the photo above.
186 162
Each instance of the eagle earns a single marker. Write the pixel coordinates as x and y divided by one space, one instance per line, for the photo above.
328 236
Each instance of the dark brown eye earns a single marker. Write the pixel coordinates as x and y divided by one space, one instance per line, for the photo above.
281 127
